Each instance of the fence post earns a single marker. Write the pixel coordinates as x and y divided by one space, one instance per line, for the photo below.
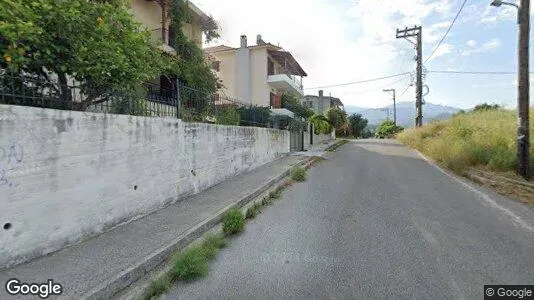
177 99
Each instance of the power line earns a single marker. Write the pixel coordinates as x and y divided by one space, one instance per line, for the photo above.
447 32
475 72
378 87
404 91
358 82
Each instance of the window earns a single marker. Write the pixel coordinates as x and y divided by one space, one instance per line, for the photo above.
216 65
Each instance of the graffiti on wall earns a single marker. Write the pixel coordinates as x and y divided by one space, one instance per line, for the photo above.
11 154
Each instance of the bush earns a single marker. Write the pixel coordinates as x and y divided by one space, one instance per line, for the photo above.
190 264
387 129
298 174
233 222
254 116
228 116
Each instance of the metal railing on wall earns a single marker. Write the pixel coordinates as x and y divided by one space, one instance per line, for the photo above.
150 100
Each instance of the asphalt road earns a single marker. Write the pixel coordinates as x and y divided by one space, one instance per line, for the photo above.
375 221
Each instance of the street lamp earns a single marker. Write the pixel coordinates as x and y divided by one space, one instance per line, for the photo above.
498 3
523 86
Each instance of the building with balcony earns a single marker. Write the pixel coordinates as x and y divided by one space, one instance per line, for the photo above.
258 74
154 16
321 104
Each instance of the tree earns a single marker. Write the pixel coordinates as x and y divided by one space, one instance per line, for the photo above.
320 124
485 106
191 66
357 124
336 117
387 129
96 43
292 103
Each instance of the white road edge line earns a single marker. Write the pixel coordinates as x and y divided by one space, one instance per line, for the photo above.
515 218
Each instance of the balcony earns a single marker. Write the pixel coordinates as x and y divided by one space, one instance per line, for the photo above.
286 83
160 37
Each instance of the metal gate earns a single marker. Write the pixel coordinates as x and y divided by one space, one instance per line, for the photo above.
296 140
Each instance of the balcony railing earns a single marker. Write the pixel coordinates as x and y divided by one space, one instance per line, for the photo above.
286 82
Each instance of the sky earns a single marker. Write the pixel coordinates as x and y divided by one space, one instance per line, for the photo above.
342 41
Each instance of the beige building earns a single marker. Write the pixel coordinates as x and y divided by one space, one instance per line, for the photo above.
154 16
257 74
321 104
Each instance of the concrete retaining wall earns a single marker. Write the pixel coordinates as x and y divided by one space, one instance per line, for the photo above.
66 175
322 138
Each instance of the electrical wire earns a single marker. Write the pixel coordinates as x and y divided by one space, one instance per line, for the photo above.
378 87
475 72
404 91
447 32
358 82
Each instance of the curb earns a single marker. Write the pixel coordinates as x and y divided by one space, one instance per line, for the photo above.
129 276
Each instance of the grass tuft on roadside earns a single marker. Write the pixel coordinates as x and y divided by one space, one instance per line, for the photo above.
298 174
233 222
212 244
253 211
157 287
190 264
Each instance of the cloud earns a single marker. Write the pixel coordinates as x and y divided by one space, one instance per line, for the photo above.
492 44
471 43
436 31
488 46
494 15
443 50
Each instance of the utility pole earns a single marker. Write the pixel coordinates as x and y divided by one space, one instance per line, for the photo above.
394 105
523 84
523 90
417 32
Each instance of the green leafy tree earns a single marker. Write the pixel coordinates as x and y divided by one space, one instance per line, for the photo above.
96 43
387 129
357 124
320 124
292 103
336 117
190 66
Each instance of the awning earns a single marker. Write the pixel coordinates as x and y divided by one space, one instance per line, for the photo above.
287 61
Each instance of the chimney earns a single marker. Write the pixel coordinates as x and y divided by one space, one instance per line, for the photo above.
243 41
321 93
259 40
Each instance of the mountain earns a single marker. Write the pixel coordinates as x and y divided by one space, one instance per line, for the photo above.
405 113
351 109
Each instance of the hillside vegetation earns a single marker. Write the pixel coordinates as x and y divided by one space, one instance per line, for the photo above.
484 139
